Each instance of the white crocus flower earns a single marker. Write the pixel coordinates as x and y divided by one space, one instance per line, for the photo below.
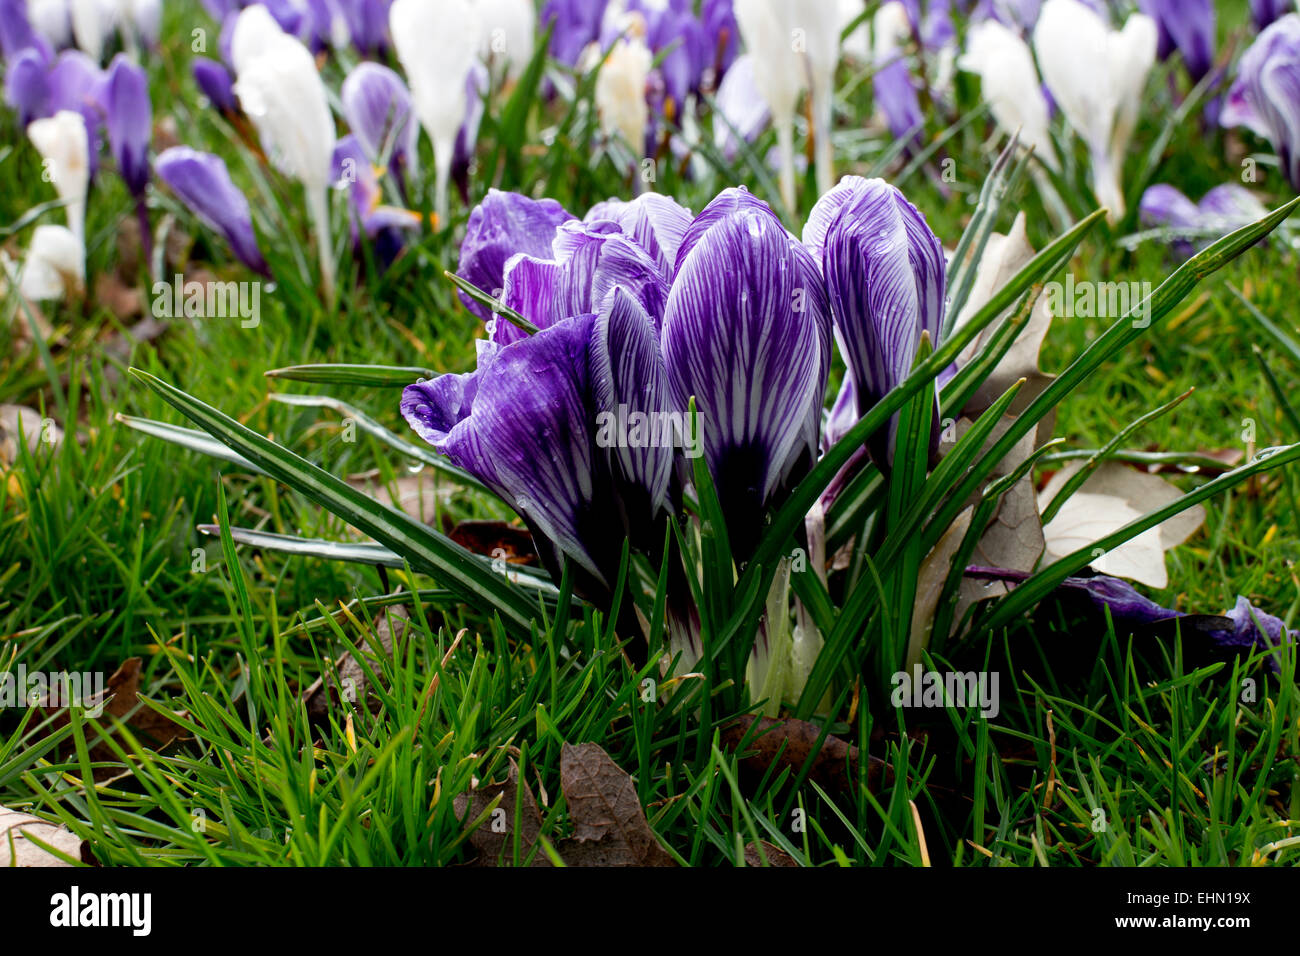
61 141
857 45
821 24
50 19
55 266
92 25
280 89
769 29
620 92
255 33
508 28
1009 84
437 43
1096 75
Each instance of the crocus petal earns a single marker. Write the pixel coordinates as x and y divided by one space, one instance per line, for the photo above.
61 141
1233 205
50 19
1266 91
897 99
378 110
203 184
1186 26
508 27
654 221
741 109
1163 205
502 225
130 122
743 335
620 93
27 85
628 377
1009 84
597 257
56 264
215 82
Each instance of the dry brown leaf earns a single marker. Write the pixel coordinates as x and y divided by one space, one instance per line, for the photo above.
417 495
609 825
121 696
494 839
348 681
17 850
774 855
930 580
496 539
789 743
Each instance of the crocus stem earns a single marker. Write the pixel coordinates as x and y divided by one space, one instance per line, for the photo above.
442 156
318 201
146 233
785 144
822 112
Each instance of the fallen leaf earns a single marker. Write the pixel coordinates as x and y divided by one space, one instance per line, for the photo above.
120 698
17 850
787 744
1114 495
609 825
121 299
930 580
348 681
494 839
20 423
417 495
774 855
496 539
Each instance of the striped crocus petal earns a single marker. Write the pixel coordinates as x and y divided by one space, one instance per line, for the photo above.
502 225
203 183
377 106
1265 95
530 435
130 121
654 221
596 258
1231 204
744 334
630 392
884 273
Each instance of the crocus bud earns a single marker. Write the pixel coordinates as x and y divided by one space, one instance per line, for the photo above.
61 141
620 93
50 19
507 28
437 43
885 276
203 183
1096 76
377 106
215 82
1186 26
92 25
1262 97
130 122
55 266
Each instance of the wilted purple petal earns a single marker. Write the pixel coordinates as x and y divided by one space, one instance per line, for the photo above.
130 121
215 82
744 333
654 221
502 225
1257 630
203 184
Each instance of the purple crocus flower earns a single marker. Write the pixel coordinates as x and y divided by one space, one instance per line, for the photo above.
746 333
367 22
502 225
723 36
1186 26
1220 211
526 424
377 106
590 259
218 10
896 97
655 222
884 272
1265 95
27 85
203 183
130 121
577 24
215 82
462 156
16 32
383 225
75 82
1264 12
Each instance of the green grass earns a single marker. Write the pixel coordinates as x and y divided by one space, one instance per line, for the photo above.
1131 756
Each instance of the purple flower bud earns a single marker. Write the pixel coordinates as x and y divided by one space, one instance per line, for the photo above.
27 85
377 106
1264 12
203 183
1265 97
130 121
1186 26
215 82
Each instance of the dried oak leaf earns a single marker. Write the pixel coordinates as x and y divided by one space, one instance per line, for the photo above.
771 855
494 839
609 825
17 850
788 743
120 698
496 539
